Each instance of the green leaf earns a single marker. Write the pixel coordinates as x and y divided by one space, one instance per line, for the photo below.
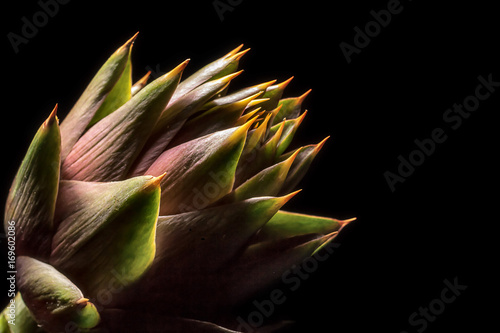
199 172
16 318
274 93
94 95
195 244
110 225
301 164
266 263
218 118
119 95
287 224
31 202
173 118
290 107
213 71
53 300
289 130
267 182
108 149
260 157
141 83
240 94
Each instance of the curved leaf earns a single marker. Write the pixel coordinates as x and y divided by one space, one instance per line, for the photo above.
32 198
110 225
90 101
53 300
199 172
108 149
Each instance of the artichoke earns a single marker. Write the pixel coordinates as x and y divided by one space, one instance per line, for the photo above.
157 207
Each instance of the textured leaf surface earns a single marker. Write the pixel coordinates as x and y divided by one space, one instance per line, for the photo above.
108 149
301 164
199 172
21 316
288 224
32 197
52 298
290 107
267 182
215 70
173 118
111 225
193 245
119 95
90 101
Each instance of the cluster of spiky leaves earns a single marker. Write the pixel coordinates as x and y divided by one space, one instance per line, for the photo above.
157 207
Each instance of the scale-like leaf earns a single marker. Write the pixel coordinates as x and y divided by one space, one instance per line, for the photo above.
90 101
108 149
53 300
110 225
29 210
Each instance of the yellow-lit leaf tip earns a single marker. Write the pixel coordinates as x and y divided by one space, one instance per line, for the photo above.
233 52
143 80
52 117
320 144
285 83
237 56
343 223
301 117
293 156
289 196
181 66
154 182
304 95
129 43
82 300
231 76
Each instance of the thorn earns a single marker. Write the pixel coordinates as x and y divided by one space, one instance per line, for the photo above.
343 223
287 197
283 84
154 182
82 300
237 56
302 97
52 117
320 144
233 52
129 43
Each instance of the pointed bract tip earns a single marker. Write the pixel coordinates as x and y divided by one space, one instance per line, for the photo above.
257 101
246 126
52 117
285 83
237 56
234 51
304 95
226 79
179 68
264 85
300 118
293 156
154 182
289 196
245 101
128 45
321 144
82 300
343 223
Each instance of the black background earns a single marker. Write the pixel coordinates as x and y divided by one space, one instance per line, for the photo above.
394 258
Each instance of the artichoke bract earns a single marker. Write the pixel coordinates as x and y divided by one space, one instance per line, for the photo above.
160 201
